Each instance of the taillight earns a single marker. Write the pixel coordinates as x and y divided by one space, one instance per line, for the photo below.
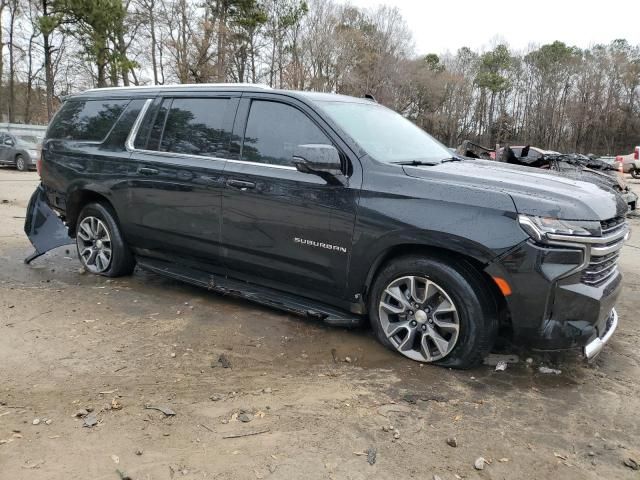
636 154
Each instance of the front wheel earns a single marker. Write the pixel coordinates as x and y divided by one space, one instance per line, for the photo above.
635 173
101 246
434 311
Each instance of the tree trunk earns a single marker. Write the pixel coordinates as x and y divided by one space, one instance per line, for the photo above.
13 11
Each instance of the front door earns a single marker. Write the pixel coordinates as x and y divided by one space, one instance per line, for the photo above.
176 183
283 228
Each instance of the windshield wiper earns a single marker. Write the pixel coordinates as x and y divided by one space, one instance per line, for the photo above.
416 163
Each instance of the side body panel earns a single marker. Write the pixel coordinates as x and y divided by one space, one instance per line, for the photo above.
175 200
70 167
399 210
290 229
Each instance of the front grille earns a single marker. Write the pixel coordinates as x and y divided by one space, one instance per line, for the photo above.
600 269
611 225
604 254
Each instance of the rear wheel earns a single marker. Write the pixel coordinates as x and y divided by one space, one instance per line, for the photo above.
635 173
21 163
434 311
101 246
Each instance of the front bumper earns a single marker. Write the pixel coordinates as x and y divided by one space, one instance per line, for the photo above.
559 299
595 346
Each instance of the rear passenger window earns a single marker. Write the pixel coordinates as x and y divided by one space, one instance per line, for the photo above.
274 130
193 126
89 120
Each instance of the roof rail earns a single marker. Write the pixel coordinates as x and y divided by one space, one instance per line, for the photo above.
174 85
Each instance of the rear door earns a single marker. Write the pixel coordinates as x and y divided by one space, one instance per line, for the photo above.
175 177
281 227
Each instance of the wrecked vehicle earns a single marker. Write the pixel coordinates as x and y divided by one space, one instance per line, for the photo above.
576 166
332 207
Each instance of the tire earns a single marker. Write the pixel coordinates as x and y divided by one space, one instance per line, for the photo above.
635 173
98 231
445 285
22 165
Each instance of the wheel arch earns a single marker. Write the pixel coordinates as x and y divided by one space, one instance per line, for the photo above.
474 265
77 200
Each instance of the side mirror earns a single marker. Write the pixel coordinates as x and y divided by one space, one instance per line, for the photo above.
321 160
8 141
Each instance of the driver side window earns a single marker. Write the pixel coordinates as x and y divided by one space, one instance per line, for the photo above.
274 130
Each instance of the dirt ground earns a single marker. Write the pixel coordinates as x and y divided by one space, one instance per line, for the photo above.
72 341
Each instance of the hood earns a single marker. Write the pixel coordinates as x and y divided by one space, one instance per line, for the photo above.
534 192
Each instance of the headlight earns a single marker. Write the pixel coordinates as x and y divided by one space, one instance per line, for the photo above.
539 227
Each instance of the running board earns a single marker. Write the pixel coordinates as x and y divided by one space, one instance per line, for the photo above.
255 293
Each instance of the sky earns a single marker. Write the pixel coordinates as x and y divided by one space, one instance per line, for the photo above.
440 26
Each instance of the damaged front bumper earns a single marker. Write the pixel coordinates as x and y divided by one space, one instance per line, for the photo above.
555 304
595 346
43 226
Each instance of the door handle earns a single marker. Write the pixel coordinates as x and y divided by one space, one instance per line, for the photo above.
240 184
148 171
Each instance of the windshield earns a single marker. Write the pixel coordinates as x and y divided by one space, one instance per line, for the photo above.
384 134
28 140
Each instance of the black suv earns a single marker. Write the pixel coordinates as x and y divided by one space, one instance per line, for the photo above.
333 207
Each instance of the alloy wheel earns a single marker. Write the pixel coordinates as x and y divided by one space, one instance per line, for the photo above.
20 163
419 318
94 244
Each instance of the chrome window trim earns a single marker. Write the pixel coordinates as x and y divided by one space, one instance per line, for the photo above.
130 142
131 138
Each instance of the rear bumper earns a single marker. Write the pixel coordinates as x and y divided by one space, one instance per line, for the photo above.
43 226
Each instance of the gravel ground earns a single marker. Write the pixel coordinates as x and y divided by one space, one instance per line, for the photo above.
261 394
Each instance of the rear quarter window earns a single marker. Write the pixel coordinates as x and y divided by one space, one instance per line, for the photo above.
87 120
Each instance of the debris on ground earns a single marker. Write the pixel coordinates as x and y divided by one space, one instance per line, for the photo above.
547 370
83 412
479 463
123 476
115 459
248 434
48 421
493 359
90 420
166 410
36 421
632 464
216 397
501 366
452 442
115 404
371 455
139 452
224 361
245 417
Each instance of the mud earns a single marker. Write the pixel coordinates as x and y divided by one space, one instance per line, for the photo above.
70 341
